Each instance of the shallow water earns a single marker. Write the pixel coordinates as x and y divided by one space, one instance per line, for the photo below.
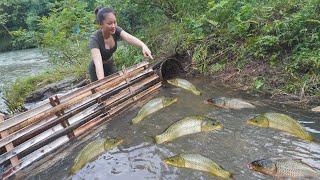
233 147
20 63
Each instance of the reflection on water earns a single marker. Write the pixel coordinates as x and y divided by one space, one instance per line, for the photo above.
19 63
233 147
140 161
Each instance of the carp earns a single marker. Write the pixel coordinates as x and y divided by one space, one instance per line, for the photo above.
281 122
188 125
184 84
153 106
198 162
93 150
229 103
283 168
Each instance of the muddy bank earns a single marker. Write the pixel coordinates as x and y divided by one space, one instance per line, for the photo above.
244 80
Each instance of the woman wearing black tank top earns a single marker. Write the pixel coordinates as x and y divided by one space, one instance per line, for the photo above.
103 43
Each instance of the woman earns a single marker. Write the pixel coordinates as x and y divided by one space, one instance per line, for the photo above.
103 43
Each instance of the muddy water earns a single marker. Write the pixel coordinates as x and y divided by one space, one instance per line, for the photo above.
21 63
232 147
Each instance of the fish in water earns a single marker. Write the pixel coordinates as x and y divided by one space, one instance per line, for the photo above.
184 84
316 109
153 106
284 168
281 122
198 162
188 125
93 150
229 103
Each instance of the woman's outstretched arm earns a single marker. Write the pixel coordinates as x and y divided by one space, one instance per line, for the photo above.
136 42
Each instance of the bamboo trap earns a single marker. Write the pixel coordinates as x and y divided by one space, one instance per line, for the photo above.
100 110
62 106
48 123
44 109
60 137
72 115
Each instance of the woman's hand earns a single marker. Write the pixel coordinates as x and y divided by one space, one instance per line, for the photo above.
137 42
146 52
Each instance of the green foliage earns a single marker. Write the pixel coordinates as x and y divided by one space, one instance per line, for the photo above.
65 33
20 19
282 33
127 55
216 33
258 83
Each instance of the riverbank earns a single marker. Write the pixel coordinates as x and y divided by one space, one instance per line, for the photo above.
270 48
32 89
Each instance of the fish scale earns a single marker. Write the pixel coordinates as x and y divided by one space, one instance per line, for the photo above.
91 151
182 83
180 128
185 83
286 123
293 168
239 104
153 106
199 162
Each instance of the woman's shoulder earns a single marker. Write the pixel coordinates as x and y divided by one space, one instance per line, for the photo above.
96 33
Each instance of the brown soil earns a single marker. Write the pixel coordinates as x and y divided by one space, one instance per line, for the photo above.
244 80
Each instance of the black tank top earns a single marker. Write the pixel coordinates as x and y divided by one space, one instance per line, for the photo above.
97 41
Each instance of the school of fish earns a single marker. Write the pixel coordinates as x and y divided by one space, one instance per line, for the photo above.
283 168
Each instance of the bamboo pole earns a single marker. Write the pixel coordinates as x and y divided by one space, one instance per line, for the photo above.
46 107
27 160
9 147
94 123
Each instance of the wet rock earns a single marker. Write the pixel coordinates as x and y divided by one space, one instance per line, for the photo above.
53 88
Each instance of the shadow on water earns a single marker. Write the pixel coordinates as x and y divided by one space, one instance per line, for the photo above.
232 147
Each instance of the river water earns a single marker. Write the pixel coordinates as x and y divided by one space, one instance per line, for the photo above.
21 63
233 147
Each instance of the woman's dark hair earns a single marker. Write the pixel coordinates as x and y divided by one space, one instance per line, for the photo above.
101 13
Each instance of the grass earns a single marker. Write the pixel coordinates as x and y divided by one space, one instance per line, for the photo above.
16 93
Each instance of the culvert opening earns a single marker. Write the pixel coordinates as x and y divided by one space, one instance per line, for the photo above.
168 69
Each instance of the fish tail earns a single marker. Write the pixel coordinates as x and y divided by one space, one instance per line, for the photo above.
196 92
74 169
310 138
136 120
223 174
